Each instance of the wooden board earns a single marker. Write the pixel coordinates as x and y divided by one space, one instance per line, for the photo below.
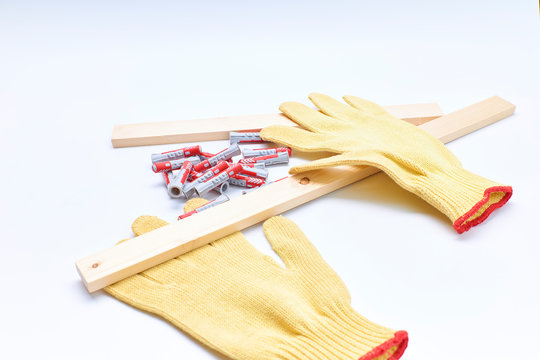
140 253
169 132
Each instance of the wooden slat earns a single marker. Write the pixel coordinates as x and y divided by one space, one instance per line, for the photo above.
168 132
130 257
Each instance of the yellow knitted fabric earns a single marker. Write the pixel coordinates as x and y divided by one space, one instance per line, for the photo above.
363 133
245 305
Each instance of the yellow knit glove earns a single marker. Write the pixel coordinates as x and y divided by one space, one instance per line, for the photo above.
365 134
242 303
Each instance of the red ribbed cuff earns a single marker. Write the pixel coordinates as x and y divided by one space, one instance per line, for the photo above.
462 224
395 347
466 198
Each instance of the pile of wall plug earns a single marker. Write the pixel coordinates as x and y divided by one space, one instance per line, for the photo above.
191 172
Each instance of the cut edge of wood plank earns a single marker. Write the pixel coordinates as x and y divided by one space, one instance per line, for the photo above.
179 131
142 252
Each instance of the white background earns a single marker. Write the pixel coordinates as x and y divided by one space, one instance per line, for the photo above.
70 70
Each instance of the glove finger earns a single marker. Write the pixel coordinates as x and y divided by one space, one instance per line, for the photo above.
206 255
337 109
172 272
403 172
337 160
144 224
309 118
297 139
290 243
237 244
145 293
365 106
147 223
194 203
